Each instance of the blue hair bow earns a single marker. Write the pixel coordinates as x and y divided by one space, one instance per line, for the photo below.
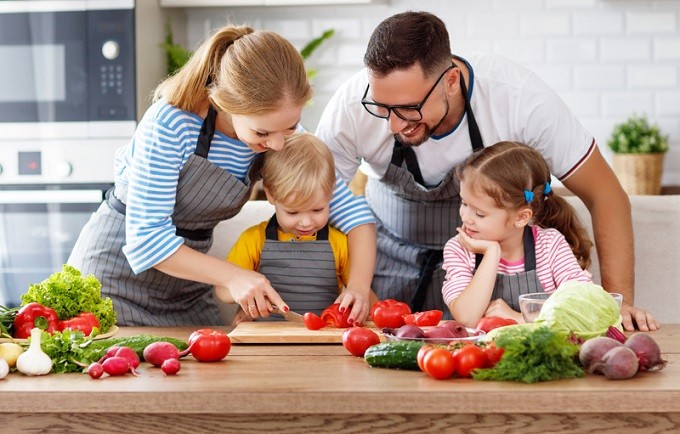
547 188
528 195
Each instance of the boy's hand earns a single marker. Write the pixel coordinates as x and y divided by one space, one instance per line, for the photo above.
358 302
475 245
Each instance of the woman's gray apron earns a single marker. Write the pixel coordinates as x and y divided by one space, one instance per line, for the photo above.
206 195
510 287
414 223
302 272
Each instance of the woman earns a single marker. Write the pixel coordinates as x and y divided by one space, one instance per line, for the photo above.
189 166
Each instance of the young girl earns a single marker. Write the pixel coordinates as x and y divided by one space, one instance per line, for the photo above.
515 238
305 259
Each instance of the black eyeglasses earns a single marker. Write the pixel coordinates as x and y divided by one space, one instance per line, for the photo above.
405 112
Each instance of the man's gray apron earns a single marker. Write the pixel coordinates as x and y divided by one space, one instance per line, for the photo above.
302 272
206 195
510 287
414 223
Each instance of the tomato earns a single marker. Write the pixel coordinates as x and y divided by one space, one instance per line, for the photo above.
489 323
208 345
333 318
427 318
493 354
389 313
357 340
421 355
469 358
313 321
439 363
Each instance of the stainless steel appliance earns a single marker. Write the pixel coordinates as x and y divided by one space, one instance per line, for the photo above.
67 103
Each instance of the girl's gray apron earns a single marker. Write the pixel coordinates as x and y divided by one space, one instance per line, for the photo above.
206 195
414 223
302 272
510 287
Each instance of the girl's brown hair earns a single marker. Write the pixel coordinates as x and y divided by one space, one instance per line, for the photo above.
505 171
296 173
241 71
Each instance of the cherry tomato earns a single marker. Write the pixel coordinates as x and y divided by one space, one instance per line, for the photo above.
421 355
389 313
334 318
469 358
208 345
439 363
357 340
493 354
313 321
489 323
427 318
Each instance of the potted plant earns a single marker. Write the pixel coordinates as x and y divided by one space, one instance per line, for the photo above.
639 149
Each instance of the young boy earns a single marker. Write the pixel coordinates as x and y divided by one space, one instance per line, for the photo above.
304 258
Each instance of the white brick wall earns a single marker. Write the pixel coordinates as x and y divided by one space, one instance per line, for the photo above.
608 59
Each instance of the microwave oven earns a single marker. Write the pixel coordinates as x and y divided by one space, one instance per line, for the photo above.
67 89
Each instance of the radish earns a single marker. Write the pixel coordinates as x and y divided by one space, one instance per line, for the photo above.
594 349
647 351
158 352
116 365
170 366
618 363
95 370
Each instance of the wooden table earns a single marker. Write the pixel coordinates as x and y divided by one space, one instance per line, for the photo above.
321 388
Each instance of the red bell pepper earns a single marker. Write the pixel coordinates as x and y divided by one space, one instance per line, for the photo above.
427 318
333 318
84 322
35 315
389 313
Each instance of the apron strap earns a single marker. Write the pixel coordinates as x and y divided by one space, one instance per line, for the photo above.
401 153
432 258
273 225
529 246
206 134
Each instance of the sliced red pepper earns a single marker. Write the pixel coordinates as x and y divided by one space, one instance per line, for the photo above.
313 321
333 318
389 313
84 322
427 318
35 315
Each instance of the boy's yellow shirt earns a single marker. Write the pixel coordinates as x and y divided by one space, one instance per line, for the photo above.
247 250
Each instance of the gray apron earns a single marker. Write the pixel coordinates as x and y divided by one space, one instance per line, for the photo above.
510 287
414 223
302 272
206 195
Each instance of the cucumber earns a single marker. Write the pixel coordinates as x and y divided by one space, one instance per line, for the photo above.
97 348
394 354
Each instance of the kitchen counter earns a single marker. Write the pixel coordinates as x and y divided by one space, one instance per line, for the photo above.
321 388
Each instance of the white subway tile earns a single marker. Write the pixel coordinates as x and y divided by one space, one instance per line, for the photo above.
583 104
557 77
650 76
570 4
599 77
553 24
492 25
291 29
625 49
666 48
521 50
651 22
344 28
668 103
351 55
571 50
601 129
626 103
515 5
598 23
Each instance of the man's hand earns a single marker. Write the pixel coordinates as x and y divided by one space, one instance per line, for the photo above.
633 316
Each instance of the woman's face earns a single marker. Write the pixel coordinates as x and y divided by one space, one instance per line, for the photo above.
266 131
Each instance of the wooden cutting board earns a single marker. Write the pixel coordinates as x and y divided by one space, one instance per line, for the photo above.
284 332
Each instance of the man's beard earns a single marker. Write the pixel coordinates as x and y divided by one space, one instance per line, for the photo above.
427 131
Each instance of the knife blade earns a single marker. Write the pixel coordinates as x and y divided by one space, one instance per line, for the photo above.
288 316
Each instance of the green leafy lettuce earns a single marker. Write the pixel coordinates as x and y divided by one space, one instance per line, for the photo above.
69 293
584 309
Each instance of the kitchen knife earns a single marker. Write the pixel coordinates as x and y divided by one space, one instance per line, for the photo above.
289 316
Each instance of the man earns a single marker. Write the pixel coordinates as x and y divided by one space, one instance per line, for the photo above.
417 111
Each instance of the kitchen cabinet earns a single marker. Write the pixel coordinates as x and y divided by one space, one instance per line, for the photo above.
225 3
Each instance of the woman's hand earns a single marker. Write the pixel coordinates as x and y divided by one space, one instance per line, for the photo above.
475 245
253 292
358 302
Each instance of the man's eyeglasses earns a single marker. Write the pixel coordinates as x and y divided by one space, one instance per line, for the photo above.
405 112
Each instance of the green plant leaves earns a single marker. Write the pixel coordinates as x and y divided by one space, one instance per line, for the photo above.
637 136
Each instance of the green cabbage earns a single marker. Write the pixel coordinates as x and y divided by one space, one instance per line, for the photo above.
584 309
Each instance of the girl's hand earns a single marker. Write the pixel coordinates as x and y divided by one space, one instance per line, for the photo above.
253 292
499 307
358 302
475 245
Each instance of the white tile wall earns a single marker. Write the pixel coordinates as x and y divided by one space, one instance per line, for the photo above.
608 59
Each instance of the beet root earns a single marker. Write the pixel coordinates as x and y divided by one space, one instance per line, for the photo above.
594 349
646 350
619 363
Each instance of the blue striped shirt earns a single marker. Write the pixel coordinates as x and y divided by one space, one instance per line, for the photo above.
150 165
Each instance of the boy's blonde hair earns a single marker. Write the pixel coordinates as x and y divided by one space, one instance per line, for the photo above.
241 71
295 174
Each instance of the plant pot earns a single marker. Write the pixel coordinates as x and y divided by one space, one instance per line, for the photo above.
639 174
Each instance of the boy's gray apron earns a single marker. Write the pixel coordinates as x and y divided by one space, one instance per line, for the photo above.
206 195
510 287
414 223
302 272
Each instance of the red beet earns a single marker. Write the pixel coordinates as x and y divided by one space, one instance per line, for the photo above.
646 350
618 363
594 349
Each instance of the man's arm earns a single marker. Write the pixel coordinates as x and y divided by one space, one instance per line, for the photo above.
599 189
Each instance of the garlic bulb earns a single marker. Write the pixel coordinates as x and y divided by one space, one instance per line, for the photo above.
34 361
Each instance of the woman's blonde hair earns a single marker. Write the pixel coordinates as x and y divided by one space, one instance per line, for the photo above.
240 71
295 174
505 171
